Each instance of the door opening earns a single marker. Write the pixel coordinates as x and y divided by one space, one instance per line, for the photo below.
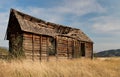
83 49
51 49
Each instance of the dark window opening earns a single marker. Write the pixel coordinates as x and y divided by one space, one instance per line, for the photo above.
51 49
83 49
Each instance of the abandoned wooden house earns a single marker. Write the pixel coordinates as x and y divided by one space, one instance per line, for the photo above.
37 39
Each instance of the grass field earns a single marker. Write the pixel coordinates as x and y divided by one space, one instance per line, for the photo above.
99 67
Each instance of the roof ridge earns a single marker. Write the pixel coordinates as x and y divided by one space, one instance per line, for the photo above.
32 24
38 19
24 14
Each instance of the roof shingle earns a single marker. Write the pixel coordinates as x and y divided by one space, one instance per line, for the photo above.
38 26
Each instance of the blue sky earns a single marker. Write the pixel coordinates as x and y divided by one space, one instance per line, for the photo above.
99 19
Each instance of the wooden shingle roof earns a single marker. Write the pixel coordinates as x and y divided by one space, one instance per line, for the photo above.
29 24
34 25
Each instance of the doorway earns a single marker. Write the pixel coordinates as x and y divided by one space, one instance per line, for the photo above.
82 49
51 48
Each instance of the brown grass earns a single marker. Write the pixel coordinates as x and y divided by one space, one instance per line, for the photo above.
65 68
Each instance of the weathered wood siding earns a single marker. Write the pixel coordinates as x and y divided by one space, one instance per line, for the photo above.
38 39
68 47
14 35
88 50
77 50
35 46
62 46
15 44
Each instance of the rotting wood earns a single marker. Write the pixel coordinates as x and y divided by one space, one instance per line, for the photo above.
36 32
32 48
47 49
40 46
56 44
68 47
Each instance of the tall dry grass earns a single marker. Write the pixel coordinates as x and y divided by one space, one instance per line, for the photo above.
65 68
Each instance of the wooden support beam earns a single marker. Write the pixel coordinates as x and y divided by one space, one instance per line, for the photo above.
73 52
40 39
80 49
68 48
47 48
32 47
92 56
56 45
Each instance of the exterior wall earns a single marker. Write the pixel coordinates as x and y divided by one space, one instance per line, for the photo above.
15 45
62 47
71 48
77 50
88 50
35 46
14 35
68 47
38 47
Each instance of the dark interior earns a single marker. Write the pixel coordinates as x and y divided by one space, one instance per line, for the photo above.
83 49
51 50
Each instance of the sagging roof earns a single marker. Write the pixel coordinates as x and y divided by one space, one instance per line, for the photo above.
38 26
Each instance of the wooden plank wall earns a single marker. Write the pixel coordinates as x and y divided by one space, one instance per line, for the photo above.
15 45
88 50
35 47
62 48
68 47
27 45
76 49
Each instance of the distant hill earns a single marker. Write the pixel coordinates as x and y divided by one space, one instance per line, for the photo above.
3 51
108 53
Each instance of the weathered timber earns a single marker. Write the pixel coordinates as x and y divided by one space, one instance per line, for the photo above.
37 39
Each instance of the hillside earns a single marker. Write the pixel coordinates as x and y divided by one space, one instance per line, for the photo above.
3 51
108 53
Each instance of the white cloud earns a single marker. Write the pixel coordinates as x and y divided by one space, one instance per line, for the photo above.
3 18
79 7
59 13
43 13
107 24
3 24
109 29
106 43
106 46
5 4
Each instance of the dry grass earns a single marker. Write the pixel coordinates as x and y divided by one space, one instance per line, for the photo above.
66 68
